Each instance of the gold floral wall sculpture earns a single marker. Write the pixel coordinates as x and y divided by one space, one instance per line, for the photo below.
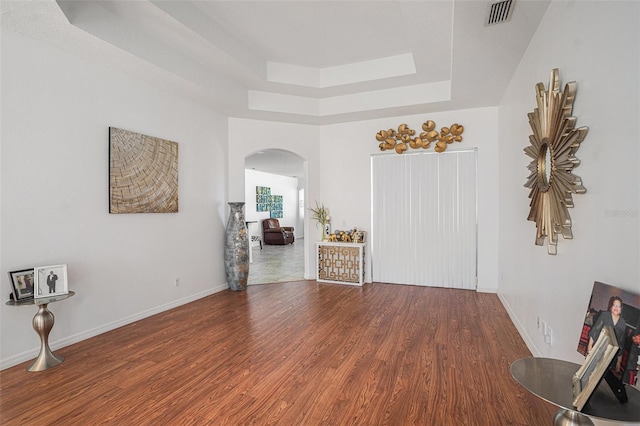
405 137
554 142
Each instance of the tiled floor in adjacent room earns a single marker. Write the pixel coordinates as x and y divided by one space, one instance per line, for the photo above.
277 263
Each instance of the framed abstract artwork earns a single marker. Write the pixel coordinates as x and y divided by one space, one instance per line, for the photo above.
263 198
276 207
143 173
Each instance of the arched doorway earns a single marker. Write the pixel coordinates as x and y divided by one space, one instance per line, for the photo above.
275 182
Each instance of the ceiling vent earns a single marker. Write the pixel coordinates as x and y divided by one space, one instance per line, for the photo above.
499 12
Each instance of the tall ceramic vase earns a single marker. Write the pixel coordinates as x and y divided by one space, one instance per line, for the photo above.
236 249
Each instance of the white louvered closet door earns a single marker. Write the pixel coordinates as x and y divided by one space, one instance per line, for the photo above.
424 225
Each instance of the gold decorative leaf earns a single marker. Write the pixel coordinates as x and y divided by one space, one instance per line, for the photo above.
402 139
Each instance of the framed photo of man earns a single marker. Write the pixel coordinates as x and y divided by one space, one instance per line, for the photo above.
50 280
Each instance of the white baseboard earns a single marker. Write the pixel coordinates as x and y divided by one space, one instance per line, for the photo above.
78 337
521 330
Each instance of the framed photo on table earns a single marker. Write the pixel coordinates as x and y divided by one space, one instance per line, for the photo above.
50 280
595 366
22 284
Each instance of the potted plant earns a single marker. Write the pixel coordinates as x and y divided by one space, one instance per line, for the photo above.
321 215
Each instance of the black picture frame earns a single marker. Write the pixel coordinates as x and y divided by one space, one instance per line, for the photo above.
22 284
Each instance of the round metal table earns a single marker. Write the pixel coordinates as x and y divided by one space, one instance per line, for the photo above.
42 324
551 380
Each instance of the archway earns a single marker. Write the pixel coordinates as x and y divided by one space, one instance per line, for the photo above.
275 186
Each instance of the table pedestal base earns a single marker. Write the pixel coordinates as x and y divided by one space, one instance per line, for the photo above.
571 418
42 324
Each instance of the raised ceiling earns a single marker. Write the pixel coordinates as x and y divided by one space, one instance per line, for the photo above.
313 62
278 162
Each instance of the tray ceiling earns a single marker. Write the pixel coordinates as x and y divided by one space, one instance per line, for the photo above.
313 62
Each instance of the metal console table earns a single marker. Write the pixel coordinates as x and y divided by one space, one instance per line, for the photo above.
42 324
550 379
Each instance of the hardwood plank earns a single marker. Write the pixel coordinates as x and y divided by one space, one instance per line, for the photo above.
298 353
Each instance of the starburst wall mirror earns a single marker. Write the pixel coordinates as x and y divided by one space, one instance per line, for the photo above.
552 149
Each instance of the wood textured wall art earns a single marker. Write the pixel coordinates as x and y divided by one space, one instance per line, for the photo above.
143 173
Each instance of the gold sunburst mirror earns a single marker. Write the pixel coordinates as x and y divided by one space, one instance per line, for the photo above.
552 149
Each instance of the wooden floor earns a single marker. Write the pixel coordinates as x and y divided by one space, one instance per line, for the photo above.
299 353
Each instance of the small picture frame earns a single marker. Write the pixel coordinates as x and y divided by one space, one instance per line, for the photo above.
327 231
586 379
50 280
22 284
360 237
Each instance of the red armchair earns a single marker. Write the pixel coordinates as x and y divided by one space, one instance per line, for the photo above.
276 234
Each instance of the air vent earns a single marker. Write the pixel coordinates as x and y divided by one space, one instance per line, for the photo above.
499 12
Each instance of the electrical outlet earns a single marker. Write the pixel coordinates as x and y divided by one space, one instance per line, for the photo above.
548 336
176 282
544 327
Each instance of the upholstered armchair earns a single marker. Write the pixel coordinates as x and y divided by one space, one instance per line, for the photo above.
276 234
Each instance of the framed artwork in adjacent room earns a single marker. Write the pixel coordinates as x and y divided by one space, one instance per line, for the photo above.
263 198
276 206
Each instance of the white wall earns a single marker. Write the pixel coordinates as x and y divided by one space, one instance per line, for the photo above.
280 185
339 171
56 111
597 45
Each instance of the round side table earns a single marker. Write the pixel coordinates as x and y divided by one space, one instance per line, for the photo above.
551 380
42 324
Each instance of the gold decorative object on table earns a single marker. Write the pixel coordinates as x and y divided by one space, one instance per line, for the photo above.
351 236
357 236
554 142
403 139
